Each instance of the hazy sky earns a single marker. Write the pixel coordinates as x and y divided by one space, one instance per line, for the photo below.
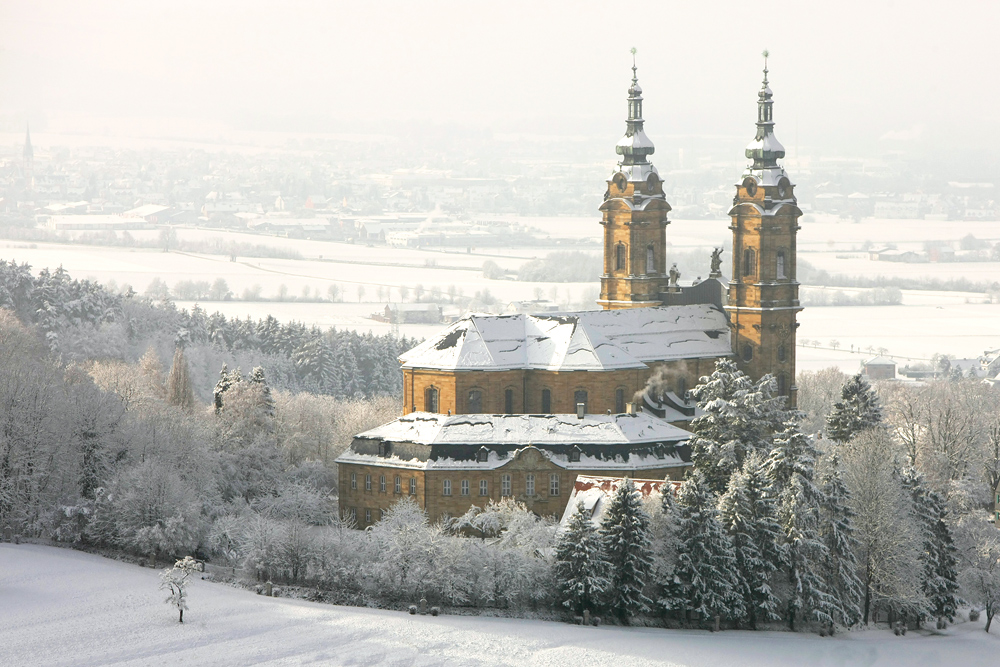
847 76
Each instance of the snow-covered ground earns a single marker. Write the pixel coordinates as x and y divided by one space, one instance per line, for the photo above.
61 607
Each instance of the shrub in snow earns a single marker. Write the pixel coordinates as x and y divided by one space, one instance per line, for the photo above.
175 580
973 615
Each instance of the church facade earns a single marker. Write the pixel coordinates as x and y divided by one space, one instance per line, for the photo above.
506 405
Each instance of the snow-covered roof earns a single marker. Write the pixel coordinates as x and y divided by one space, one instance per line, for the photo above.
595 494
146 209
427 428
880 361
587 340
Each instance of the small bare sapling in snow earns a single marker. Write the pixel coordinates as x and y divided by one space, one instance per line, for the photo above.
175 580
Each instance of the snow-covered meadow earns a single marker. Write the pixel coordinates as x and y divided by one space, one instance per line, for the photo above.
63 607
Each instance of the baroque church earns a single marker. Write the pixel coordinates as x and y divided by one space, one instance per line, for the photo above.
517 406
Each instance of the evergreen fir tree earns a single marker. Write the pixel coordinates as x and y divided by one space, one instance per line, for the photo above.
748 515
938 555
706 560
257 378
671 589
179 390
625 532
221 387
838 535
790 469
580 567
740 416
858 409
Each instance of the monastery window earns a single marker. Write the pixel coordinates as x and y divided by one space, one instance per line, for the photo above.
508 401
650 259
431 399
384 449
580 396
553 484
354 481
354 514
546 401
782 353
529 485
368 516
381 483
475 401
398 486
368 482
447 488
574 454
782 384
780 264
620 257
619 400
484 487
465 487
505 485
749 262
747 352
413 486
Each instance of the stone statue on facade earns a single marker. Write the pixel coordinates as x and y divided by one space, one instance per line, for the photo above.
674 277
716 263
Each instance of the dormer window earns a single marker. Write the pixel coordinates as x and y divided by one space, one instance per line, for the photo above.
483 455
384 449
574 454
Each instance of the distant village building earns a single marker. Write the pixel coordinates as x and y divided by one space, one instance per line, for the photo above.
151 213
880 368
410 313
519 405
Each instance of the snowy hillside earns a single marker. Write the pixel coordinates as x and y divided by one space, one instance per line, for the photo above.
61 607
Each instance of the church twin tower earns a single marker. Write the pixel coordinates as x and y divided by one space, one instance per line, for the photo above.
762 300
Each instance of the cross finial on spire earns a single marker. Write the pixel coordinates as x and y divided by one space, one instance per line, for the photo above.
635 76
765 53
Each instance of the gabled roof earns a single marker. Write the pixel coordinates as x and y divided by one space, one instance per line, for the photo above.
586 340
880 361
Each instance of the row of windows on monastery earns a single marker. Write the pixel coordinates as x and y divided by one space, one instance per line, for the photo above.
474 405
464 486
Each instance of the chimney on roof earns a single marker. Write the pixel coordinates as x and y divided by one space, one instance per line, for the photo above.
630 408
579 410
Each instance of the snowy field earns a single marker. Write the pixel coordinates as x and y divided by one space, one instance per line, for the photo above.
62 607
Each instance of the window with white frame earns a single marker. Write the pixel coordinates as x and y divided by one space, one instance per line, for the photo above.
413 486
399 485
529 485
447 487
368 516
553 484
505 485
354 481
368 482
465 487
484 487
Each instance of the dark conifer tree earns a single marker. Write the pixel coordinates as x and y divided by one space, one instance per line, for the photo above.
625 531
838 535
858 409
580 567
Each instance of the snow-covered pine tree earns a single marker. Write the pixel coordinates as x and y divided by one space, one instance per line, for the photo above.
838 534
706 561
267 401
938 555
580 567
671 596
221 387
748 515
625 532
740 416
790 469
858 409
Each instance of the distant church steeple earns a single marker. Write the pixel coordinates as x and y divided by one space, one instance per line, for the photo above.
29 159
763 292
634 216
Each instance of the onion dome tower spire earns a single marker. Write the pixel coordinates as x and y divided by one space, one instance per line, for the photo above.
764 293
634 218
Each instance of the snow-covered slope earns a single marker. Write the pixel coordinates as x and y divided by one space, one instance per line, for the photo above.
61 607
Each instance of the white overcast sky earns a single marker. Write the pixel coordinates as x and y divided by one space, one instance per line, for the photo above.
847 76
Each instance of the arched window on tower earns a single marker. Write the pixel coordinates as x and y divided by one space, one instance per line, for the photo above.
749 262
747 352
782 384
780 265
475 401
431 399
620 257
650 259
546 401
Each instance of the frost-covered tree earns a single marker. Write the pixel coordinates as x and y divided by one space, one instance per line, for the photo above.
175 581
979 549
837 529
179 390
888 537
748 514
790 470
938 554
580 566
857 410
625 531
706 561
266 400
740 416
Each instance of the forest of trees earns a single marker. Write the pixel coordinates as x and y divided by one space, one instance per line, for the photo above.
873 505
